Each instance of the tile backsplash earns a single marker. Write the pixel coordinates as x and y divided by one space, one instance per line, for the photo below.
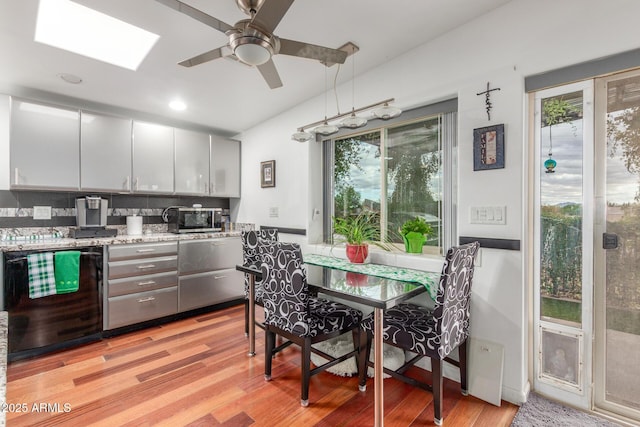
16 207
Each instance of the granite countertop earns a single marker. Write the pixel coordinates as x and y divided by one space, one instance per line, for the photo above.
121 239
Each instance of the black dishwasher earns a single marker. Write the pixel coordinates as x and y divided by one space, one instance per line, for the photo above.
42 325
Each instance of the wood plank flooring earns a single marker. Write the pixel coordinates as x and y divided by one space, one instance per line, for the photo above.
195 372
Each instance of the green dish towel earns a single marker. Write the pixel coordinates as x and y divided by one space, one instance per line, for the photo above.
67 271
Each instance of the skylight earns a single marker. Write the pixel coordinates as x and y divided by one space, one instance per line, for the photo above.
79 29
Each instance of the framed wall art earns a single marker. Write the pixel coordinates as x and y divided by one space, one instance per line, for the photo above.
268 173
488 148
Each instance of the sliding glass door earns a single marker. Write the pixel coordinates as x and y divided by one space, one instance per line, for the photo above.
617 284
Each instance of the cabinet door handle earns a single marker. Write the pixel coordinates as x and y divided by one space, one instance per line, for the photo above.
141 251
144 267
219 277
147 283
127 186
16 176
141 300
136 183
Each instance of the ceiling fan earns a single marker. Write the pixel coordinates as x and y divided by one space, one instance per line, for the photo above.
252 41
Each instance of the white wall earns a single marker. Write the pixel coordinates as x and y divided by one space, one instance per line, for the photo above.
524 37
4 142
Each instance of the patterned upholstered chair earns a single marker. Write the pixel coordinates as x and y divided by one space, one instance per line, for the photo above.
250 240
291 312
431 333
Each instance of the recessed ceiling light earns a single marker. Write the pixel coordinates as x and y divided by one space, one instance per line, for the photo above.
79 29
177 105
70 78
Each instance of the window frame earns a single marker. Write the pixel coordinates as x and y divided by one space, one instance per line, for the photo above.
446 111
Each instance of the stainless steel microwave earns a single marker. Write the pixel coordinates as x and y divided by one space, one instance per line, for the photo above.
193 220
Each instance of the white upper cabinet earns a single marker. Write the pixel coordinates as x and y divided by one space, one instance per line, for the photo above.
44 146
192 162
152 158
105 153
225 167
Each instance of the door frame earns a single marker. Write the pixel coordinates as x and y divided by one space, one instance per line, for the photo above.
580 396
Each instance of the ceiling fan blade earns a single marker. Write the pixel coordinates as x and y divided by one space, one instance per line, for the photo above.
306 50
270 13
270 74
206 57
197 14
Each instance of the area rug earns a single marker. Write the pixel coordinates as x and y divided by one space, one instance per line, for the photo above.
393 356
540 412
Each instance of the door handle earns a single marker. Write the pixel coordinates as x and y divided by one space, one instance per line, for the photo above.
609 241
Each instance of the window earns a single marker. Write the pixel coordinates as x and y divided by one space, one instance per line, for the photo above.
400 171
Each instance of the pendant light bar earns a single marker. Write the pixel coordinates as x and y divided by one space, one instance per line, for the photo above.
348 113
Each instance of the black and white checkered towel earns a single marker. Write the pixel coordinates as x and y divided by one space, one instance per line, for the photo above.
42 279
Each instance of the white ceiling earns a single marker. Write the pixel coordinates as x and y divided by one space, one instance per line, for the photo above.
222 94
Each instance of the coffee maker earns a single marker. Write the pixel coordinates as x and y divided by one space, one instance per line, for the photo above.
91 218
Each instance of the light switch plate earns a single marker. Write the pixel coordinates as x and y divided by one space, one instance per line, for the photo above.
495 215
42 212
273 212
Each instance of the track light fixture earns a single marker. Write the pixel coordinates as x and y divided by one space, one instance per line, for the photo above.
329 125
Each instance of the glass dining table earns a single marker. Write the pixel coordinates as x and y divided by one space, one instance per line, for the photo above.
372 285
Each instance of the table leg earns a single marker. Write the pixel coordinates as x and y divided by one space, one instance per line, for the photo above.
252 315
378 367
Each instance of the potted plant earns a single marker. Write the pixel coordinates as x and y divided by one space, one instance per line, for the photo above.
358 231
414 233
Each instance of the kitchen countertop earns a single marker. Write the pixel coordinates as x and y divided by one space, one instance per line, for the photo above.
121 239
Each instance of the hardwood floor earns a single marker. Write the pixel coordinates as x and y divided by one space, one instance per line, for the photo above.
195 372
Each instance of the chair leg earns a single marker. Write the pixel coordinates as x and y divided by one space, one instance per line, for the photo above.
270 339
246 317
306 371
363 357
436 375
462 357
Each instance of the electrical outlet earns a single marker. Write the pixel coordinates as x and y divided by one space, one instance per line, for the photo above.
42 212
273 212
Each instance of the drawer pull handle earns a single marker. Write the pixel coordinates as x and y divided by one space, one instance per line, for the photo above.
217 243
141 251
147 283
147 266
219 277
141 300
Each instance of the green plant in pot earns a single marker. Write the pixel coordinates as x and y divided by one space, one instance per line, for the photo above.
414 233
358 231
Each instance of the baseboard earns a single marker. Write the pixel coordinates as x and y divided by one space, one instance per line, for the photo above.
517 397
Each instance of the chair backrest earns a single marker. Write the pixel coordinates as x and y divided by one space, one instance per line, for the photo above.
285 292
451 311
250 240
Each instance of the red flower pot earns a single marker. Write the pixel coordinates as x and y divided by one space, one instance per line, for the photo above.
357 253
